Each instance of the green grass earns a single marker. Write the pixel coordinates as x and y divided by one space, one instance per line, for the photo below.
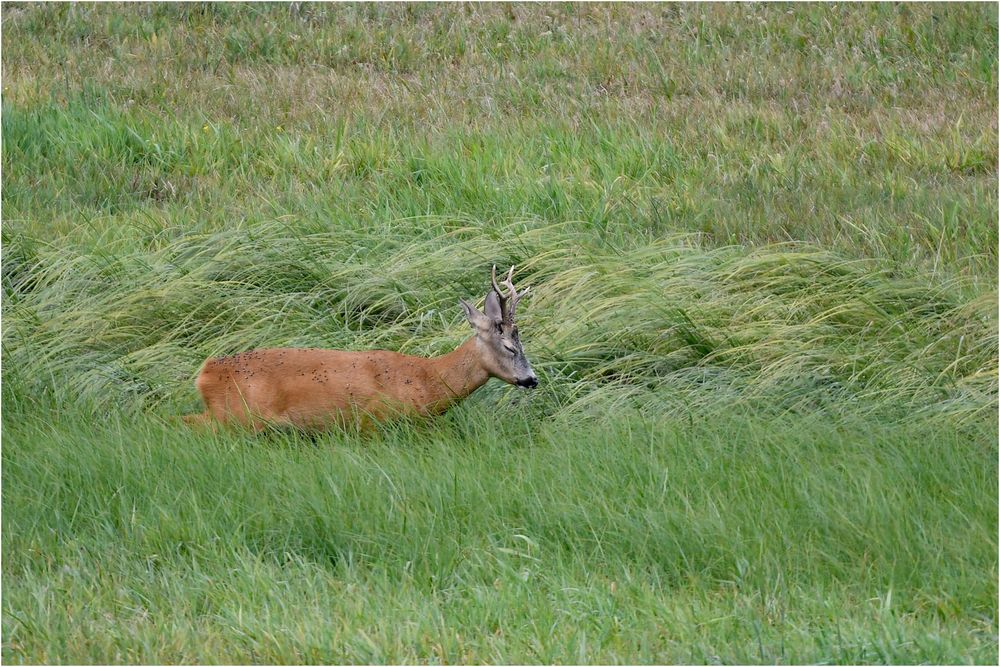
636 539
762 242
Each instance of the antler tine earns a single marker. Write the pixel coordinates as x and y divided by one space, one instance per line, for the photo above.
514 295
508 282
500 295
493 278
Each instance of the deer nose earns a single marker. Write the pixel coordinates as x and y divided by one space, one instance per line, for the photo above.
530 382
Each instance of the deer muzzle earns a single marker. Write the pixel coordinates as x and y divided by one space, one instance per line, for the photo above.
529 382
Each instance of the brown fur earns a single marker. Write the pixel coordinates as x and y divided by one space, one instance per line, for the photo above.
313 388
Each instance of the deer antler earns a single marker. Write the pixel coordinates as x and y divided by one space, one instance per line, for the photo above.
508 303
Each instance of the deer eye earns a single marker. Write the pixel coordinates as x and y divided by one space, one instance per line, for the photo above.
510 349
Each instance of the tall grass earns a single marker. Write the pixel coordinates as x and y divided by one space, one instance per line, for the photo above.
789 324
628 539
763 248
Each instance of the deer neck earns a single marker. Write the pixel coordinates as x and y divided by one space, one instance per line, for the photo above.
457 374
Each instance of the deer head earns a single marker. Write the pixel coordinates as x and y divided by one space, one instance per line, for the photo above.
496 334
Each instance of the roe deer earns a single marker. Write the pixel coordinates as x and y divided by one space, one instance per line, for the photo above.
313 388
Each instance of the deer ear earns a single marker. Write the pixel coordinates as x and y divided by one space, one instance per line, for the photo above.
476 319
493 309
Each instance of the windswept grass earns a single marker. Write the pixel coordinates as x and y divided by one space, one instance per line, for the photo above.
763 248
787 326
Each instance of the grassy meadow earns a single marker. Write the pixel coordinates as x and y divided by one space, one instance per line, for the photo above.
762 244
